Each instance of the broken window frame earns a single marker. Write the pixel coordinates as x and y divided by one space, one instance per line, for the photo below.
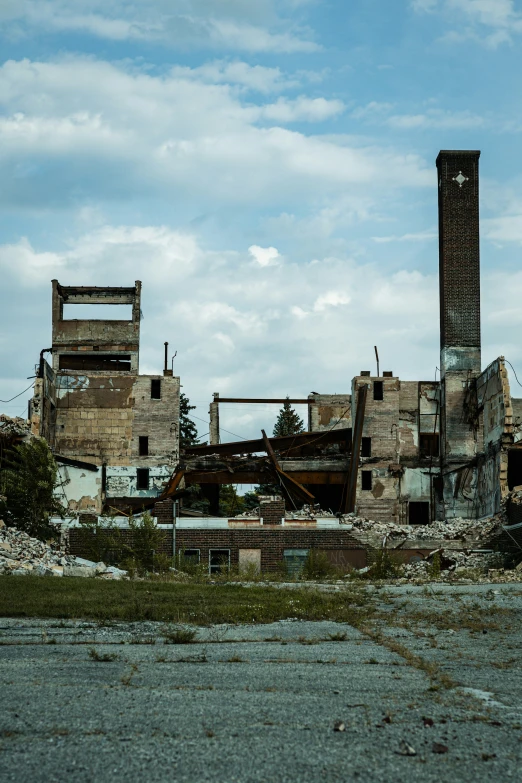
155 388
143 445
217 568
378 390
366 447
366 479
141 475
415 507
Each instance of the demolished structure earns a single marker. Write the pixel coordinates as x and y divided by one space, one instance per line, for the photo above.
114 433
402 454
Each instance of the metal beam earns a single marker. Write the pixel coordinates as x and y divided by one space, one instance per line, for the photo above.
272 400
295 486
351 493
172 484
285 443
262 477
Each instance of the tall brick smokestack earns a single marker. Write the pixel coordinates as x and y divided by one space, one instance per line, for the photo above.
459 260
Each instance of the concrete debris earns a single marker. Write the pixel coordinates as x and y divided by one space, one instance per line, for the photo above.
13 427
453 529
20 555
453 564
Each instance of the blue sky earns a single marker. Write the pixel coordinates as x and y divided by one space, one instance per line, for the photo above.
267 169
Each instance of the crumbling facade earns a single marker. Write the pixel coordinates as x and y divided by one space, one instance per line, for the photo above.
392 451
413 451
114 432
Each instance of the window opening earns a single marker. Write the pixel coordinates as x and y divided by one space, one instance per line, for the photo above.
378 390
95 362
144 445
189 557
366 479
429 444
218 561
155 389
142 478
419 512
294 560
366 447
514 468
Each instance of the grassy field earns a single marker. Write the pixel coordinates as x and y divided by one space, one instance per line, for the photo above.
28 596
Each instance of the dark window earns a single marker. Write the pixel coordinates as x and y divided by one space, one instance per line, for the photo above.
218 560
366 447
189 557
366 479
142 478
155 389
96 362
419 513
378 390
429 444
144 445
514 468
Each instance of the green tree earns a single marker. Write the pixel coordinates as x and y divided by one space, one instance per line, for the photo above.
28 478
188 432
288 422
230 503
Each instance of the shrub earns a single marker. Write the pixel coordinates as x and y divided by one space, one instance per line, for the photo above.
318 566
383 564
28 478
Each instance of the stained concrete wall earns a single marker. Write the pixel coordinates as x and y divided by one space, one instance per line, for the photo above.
330 411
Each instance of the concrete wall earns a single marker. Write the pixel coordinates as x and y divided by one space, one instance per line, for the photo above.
331 411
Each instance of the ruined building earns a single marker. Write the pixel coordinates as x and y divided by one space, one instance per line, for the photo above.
404 451
114 432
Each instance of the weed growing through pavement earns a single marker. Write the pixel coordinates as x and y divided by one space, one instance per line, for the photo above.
182 635
126 679
337 637
102 657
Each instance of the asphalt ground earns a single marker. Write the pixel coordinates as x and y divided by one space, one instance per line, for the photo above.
429 689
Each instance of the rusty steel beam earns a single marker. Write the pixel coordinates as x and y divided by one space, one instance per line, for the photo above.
349 504
172 484
266 401
262 477
294 487
284 443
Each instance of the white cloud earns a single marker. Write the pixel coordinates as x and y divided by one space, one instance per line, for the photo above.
420 236
252 77
330 299
436 118
300 109
381 113
507 228
491 22
265 256
229 24
125 131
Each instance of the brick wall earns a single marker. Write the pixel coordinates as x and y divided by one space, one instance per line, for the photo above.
272 512
272 543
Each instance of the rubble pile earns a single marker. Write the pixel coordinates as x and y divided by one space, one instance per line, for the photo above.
20 555
13 427
452 530
453 564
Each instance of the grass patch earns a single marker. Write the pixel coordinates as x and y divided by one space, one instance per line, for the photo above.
192 604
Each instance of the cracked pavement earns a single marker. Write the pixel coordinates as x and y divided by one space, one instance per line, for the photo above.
434 673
